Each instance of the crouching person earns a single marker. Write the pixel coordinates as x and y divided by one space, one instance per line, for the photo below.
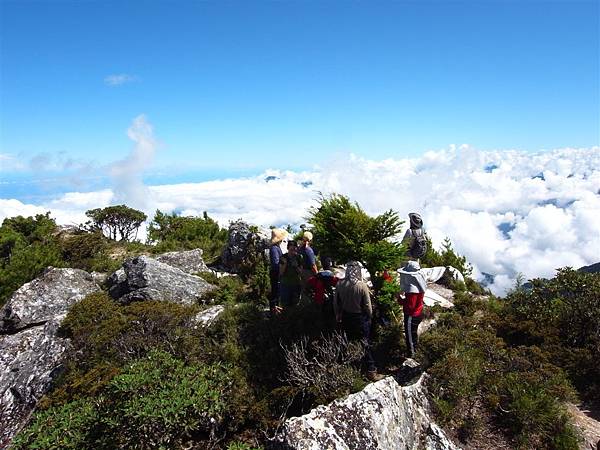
413 284
353 309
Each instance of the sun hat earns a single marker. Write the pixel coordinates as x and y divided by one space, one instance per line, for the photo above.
278 235
410 268
307 236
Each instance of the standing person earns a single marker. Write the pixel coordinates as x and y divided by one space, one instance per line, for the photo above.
309 261
414 238
290 275
275 254
353 308
414 284
322 285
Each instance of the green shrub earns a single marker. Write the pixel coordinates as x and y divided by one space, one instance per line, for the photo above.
28 245
156 402
171 232
343 231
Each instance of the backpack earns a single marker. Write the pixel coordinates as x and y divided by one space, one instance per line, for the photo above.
419 244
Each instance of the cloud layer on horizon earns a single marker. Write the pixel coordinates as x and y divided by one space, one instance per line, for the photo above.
509 212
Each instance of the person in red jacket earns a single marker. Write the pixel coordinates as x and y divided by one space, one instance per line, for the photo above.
414 284
322 284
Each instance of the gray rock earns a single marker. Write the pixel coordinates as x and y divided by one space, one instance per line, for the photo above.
189 261
99 277
242 239
209 315
143 278
30 361
45 297
384 415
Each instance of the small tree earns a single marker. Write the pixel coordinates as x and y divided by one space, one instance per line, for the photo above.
343 231
118 222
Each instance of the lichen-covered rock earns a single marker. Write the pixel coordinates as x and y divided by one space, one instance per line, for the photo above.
189 261
242 239
209 315
143 278
384 416
30 361
45 297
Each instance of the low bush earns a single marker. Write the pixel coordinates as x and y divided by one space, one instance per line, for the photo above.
156 402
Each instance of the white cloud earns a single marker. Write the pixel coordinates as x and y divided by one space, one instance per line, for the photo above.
120 79
509 212
127 173
10 162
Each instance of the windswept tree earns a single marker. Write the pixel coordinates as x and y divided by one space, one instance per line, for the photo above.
118 222
343 231
173 232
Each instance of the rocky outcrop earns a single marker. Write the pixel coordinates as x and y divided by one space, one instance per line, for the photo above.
143 278
189 261
44 298
384 415
30 361
242 240
31 353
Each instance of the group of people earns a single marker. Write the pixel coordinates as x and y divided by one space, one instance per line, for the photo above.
346 302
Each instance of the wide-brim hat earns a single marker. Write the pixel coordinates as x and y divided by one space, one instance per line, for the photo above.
307 236
278 235
410 268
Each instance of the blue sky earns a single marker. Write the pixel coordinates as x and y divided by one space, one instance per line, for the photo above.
232 87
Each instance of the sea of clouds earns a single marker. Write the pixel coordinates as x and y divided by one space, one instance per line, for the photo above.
509 212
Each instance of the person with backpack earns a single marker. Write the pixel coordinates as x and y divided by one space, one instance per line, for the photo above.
275 254
322 284
290 275
309 262
352 305
413 283
414 238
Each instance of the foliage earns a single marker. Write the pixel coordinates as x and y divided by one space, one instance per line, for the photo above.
387 299
343 231
171 232
230 289
563 315
474 373
28 245
88 251
118 222
156 402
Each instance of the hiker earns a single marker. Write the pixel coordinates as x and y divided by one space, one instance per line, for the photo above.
275 254
290 275
309 261
322 285
414 238
352 305
413 284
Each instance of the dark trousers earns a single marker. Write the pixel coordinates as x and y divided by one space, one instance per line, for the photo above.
274 277
411 326
358 328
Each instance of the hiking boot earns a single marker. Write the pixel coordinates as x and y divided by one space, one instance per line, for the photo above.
372 375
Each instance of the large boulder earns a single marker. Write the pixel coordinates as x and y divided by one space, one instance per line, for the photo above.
30 361
143 278
44 298
189 261
242 240
384 416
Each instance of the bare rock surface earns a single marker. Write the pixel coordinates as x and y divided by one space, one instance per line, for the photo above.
30 361
189 261
588 425
384 415
242 239
143 278
209 315
45 297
